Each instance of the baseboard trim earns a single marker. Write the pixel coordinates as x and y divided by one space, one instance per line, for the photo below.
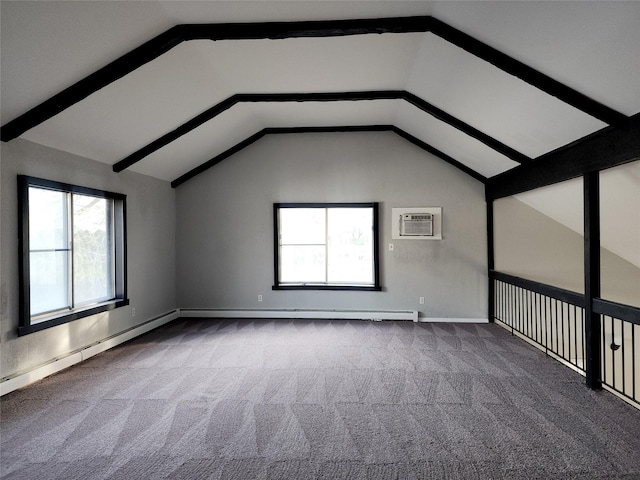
302 313
20 380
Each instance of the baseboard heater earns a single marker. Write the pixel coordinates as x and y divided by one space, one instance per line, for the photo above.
302 313
22 379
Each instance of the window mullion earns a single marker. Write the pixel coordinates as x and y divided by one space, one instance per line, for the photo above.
326 245
70 279
112 245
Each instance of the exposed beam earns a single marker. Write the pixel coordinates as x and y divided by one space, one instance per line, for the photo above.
348 128
328 129
609 147
226 104
443 156
217 159
92 83
593 337
526 73
314 28
491 308
257 136
280 30
443 116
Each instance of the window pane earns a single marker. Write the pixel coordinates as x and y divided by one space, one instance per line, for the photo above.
48 225
302 264
350 253
92 247
301 226
49 273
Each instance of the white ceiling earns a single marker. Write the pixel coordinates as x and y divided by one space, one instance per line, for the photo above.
47 46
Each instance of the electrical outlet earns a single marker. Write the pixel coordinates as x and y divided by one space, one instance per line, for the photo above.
421 300
259 298
391 247
133 312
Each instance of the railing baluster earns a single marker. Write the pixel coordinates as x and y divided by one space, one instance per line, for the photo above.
624 359
575 335
564 337
556 320
613 355
546 326
633 360
604 349
555 305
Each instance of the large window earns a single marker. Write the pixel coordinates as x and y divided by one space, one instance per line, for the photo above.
72 242
326 246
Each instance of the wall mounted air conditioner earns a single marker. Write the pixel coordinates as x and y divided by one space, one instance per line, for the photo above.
416 224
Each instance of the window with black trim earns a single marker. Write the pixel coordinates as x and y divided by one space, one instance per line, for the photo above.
326 246
72 252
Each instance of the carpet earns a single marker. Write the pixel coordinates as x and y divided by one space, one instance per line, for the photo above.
318 399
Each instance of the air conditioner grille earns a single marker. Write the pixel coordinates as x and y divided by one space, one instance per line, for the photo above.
416 224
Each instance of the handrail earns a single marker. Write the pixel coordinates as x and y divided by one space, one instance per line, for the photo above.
568 296
617 310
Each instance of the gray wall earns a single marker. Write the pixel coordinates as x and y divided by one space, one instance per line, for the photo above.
225 224
150 254
531 245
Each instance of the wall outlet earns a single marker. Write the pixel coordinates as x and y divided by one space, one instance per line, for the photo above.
421 300
133 312
391 247
259 298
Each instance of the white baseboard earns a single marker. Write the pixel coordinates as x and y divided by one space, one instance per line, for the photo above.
302 313
23 379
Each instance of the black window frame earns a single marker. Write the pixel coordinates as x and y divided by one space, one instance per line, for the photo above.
376 287
120 299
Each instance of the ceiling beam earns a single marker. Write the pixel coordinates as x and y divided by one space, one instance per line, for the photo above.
443 156
306 29
443 116
280 30
226 104
348 128
92 83
606 148
527 74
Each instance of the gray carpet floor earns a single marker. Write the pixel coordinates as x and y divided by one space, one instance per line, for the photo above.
226 399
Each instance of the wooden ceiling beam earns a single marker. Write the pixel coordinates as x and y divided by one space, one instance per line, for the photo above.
226 104
280 30
324 129
609 147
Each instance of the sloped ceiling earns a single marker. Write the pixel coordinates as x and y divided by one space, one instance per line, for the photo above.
620 208
420 84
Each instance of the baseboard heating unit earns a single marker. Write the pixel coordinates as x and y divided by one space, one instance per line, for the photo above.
302 313
22 379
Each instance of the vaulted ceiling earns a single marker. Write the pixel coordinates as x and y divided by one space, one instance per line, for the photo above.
169 89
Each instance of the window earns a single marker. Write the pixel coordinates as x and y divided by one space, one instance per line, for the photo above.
72 258
330 246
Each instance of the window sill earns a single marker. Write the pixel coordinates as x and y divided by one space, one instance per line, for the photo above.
66 317
362 288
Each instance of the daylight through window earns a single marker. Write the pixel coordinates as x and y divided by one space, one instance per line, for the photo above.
72 241
326 246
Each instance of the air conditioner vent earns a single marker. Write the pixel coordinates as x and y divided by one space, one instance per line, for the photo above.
416 224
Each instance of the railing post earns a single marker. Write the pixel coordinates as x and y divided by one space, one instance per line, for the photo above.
593 352
490 261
